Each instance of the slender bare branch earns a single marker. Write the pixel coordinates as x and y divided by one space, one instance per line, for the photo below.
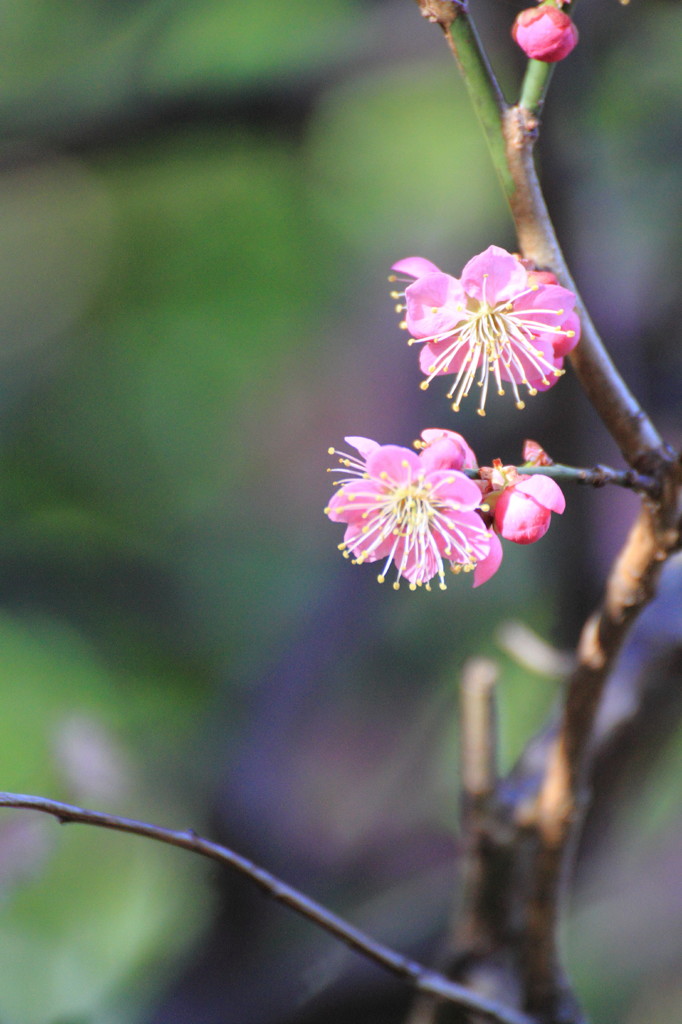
628 424
478 731
561 800
596 476
421 977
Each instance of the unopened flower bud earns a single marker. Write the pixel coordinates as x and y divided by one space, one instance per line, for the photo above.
545 33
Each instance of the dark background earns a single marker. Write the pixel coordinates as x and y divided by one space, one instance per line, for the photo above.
200 201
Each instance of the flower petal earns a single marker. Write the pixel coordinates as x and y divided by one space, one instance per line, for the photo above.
415 266
435 303
495 275
446 449
544 490
491 563
364 445
398 464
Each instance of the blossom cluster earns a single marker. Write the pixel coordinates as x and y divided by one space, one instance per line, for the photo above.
422 512
425 512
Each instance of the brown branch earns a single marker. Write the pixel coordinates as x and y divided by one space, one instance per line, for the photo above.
635 434
522 852
421 977
563 795
478 732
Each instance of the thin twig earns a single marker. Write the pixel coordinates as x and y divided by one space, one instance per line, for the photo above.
478 732
421 977
478 759
596 476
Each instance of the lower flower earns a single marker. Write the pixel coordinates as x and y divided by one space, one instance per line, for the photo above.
415 512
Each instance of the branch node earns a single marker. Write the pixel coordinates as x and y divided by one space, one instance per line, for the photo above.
440 12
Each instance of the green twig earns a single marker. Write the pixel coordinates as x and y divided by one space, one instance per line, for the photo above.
535 84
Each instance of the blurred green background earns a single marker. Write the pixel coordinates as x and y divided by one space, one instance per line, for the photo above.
199 204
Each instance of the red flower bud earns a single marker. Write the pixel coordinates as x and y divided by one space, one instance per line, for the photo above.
545 33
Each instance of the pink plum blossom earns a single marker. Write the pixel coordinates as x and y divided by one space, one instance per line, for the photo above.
545 33
413 511
520 504
499 322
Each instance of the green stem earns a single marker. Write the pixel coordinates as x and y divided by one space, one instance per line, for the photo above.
484 91
535 84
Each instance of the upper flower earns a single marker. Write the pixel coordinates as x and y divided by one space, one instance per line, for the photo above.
415 511
499 320
545 33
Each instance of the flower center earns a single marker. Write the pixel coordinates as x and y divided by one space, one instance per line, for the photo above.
496 339
409 525
413 518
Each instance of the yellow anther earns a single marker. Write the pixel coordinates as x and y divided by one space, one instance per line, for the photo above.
424 385
481 412
442 585
395 295
403 325
381 579
392 277
522 405
330 451
396 585
413 586
399 308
